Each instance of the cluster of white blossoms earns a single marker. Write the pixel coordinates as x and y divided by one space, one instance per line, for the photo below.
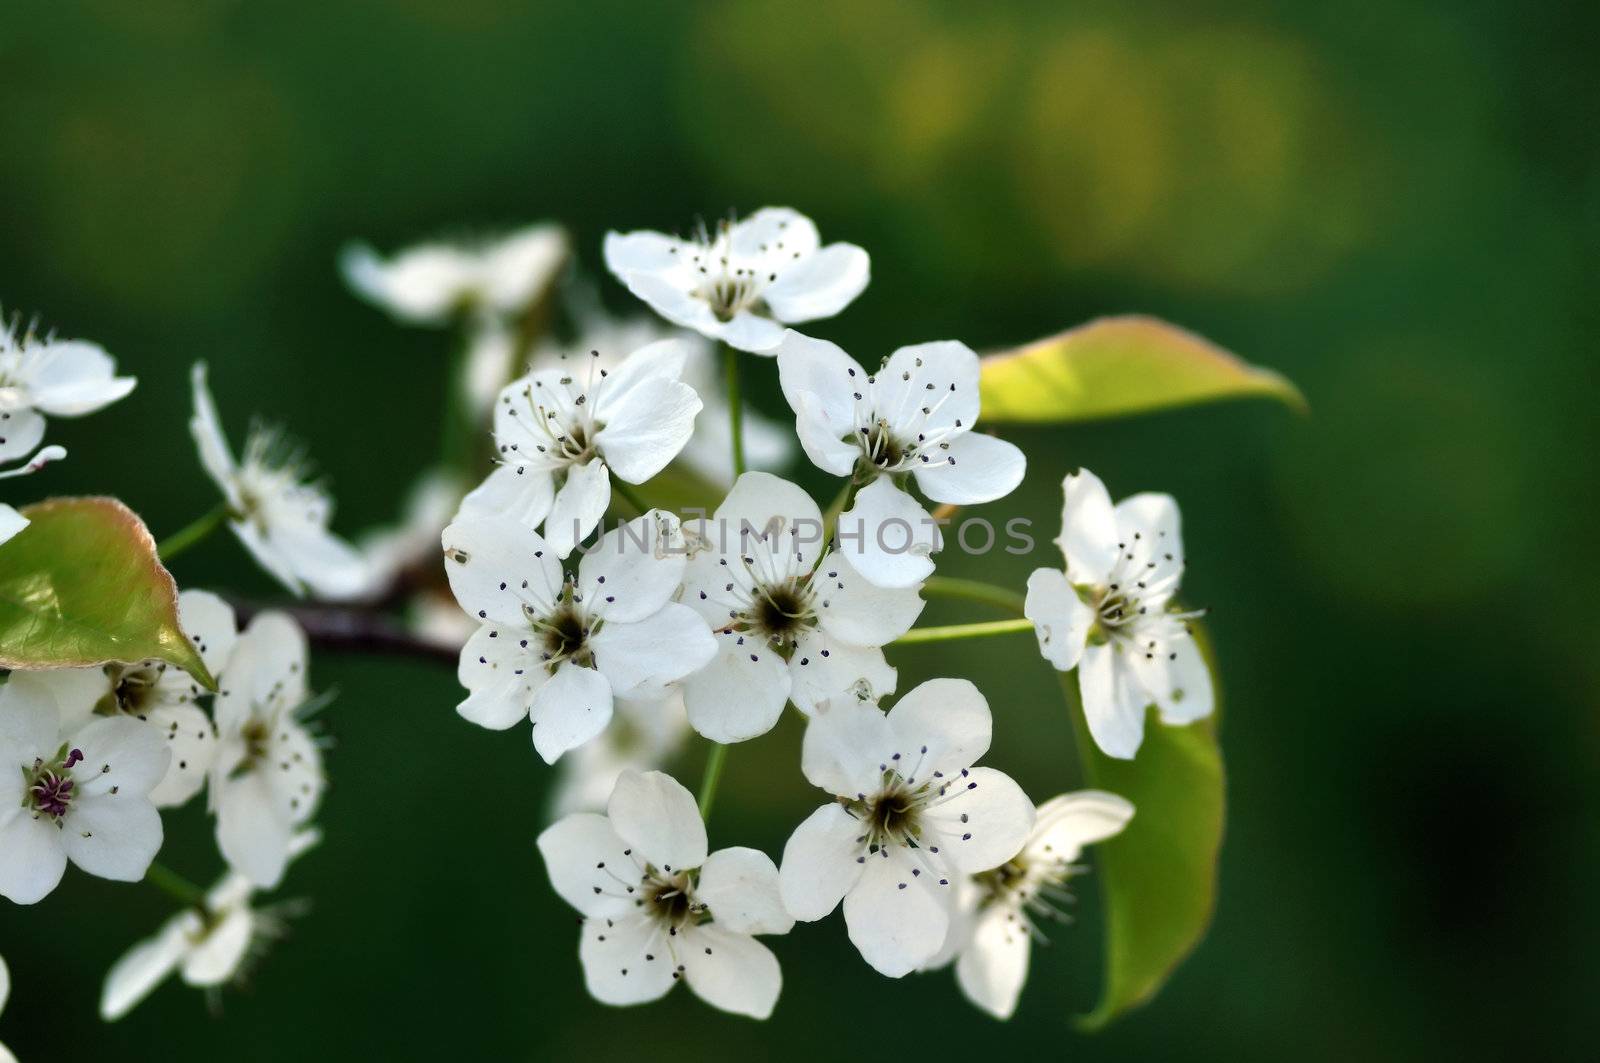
610 640
90 757
618 640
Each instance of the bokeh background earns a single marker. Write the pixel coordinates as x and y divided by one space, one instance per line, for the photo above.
1393 204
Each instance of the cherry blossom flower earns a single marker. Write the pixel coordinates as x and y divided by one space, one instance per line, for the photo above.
742 283
432 283
643 736
708 454
560 650
581 424
1111 614
207 952
267 778
656 908
789 626
155 693
281 518
997 911
81 796
49 377
912 816
11 522
913 416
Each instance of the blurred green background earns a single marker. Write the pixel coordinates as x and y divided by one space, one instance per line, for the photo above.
1393 204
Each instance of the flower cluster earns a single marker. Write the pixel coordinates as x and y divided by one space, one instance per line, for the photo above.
609 641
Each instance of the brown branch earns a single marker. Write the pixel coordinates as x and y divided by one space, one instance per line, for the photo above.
352 629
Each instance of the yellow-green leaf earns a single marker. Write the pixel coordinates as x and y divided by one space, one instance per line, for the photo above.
81 585
1116 366
1158 878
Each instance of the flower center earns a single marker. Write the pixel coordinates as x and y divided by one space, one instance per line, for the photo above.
781 612
566 636
132 689
670 899
48 788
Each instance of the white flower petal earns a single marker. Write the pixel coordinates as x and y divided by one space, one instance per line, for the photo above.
846 747
887 537
32 858
251 831
641 251
113 836
658 360
579 505
781 228
763 511
1152 520
21 430
823 669
1065 824
941 376
819 285
626 960
647 428
984 822
1061 620
822 861
730 971
422 285
1112 707
517 268
119 753
206 428
496 565
192 741
11 522
640 659
822 442
653 813
30 723
73 378
514 490
740 693
975 468
570 709
741 888
634 569
1089 535
1175 676
145 966
943 723
72 691
994 965
854 610
674 299
324 562
216 957
500 668
590 867
823 371
896 916
752 332
211 626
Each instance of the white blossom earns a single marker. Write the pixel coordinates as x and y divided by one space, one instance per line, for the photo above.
82 795
431 283
155 693
792 624
998 912
656 908
743 282
643 736
912 816
709 451
914 417
580 425
281 518
206 952
49 377
11 522
1111 614
5 991
267 777
560 650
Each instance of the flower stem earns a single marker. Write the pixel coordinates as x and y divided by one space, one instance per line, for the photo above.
176 886
735 408
708 782
963 631
187 536
973 590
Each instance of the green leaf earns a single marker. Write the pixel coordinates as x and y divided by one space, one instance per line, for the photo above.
81 586
1158 878
1117 366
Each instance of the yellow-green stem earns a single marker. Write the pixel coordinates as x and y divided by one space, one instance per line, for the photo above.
952 632
187 536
